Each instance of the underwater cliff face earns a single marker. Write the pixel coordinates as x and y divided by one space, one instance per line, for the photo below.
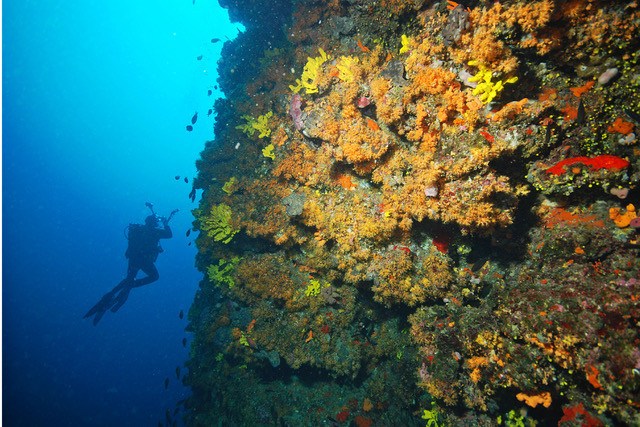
421 212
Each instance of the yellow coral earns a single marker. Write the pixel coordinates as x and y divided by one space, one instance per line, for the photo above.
222 273
345 68
308 80
218 223
487 90
313 289
230 186
268 152
260 124
404 40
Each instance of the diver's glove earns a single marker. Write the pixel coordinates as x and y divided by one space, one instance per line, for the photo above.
173 212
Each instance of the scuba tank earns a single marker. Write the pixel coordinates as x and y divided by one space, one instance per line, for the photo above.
137 234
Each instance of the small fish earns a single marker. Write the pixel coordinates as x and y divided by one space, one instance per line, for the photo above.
177 372
189 244
177 177
194 119
547 136
181 314
166 383
215 40
633 116
192 195
184 340
209 112
189 128
215 87
209 92
186 179
199 57
188 232
582 115
479 264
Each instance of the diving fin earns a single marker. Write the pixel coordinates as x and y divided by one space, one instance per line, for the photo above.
103 305
120 299
99 315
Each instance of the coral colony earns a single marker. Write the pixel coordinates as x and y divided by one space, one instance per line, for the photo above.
413 214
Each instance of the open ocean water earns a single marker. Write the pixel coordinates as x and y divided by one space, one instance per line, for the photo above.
96 97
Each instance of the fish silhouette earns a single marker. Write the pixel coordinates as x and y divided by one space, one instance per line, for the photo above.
209 112
178 372
189 128
181 315
188 232
209 92
582 114
194 119
186 179
633 116
166 383
184 342
177 177
215 40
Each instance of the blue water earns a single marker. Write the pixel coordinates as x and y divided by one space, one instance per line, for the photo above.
96 97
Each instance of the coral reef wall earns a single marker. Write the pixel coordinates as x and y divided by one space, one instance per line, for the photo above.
420 212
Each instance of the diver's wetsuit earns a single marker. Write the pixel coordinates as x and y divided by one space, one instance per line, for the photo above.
142 252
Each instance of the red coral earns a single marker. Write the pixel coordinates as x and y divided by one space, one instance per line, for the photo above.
571 413
342 416
363 421
486 135
441 241
604 161
592 376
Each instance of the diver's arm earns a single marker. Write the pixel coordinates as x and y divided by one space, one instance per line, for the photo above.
166 232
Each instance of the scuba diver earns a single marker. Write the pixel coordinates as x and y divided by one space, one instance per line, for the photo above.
142 251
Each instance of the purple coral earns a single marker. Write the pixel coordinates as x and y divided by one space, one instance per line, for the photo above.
295 111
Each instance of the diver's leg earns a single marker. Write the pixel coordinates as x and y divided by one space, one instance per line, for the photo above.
116 297
132 271
125 286
152 275
109 299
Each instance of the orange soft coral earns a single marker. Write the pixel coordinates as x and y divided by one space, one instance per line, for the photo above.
534 400
622 219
